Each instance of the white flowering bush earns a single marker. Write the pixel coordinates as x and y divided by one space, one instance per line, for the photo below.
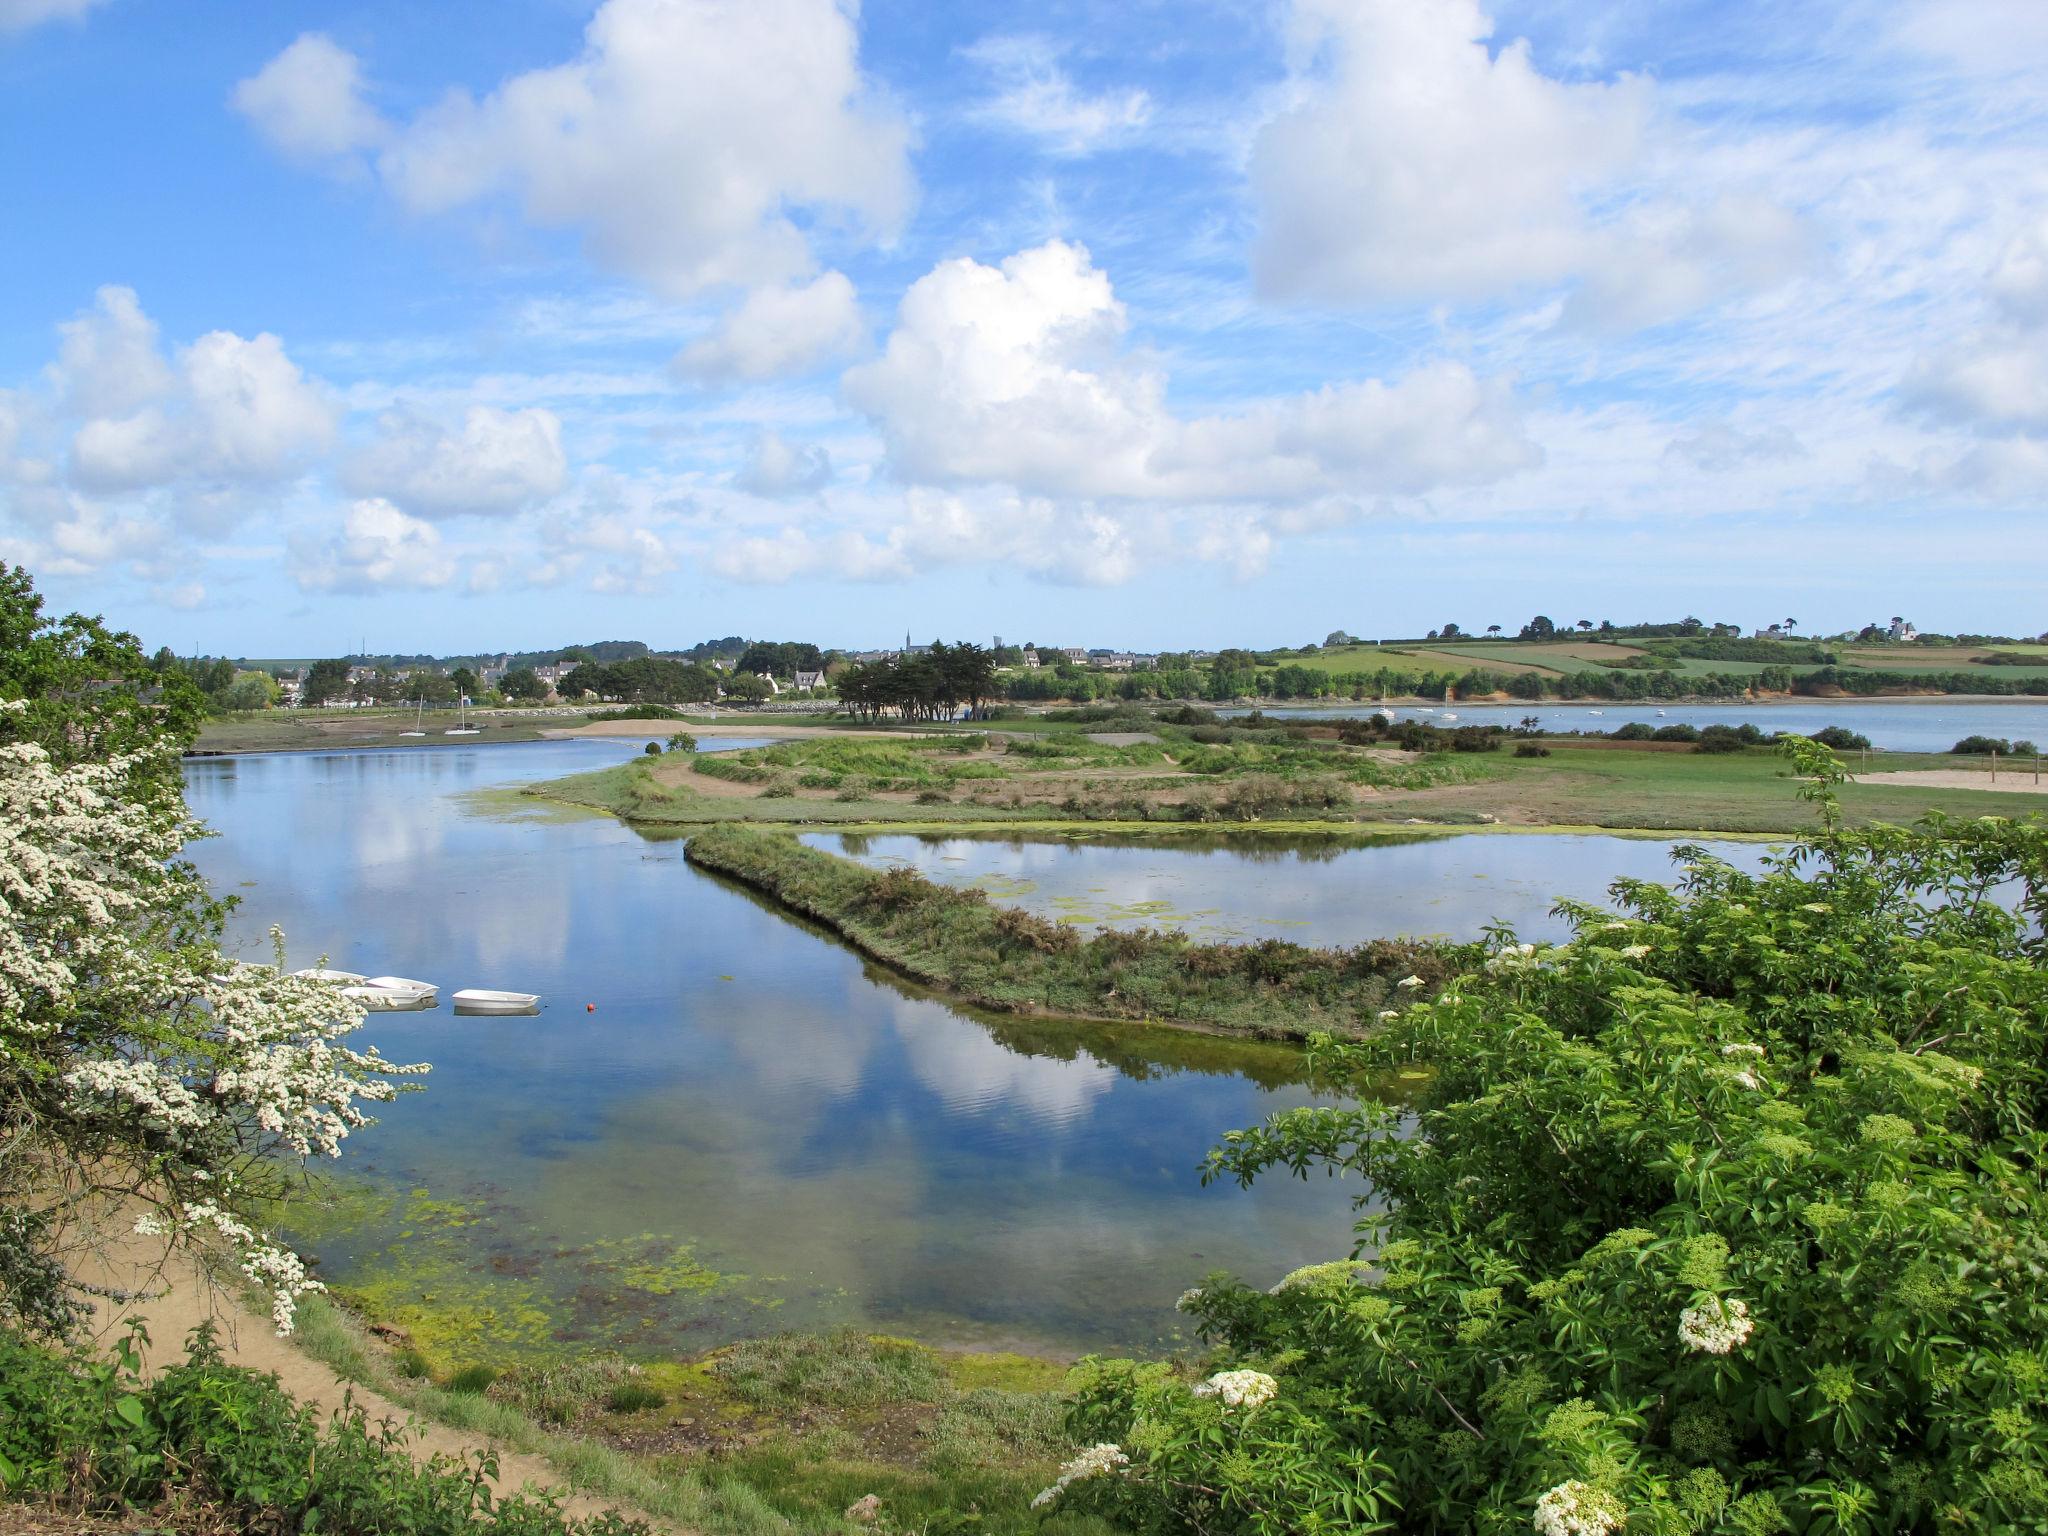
140 1068
1726 1216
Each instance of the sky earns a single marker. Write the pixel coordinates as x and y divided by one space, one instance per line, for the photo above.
505 324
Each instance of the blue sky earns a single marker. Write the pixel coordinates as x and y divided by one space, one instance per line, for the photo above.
515 323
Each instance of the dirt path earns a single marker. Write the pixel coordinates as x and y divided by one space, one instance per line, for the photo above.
2018 781
177 1297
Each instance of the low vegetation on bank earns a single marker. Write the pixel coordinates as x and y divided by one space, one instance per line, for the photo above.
957 940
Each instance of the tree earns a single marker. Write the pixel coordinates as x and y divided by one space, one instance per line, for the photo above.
464 681
522 683
1451 631
140 1067
1493 629
1585 624
1720 1217
325 680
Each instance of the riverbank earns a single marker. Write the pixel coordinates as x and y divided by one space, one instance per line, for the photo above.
958 943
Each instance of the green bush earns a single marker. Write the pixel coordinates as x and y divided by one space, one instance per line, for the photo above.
1980 746
471 1378
89 1432
1726 1216
653 749
1531 749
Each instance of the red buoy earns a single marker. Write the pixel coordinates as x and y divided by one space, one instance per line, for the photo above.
590 1007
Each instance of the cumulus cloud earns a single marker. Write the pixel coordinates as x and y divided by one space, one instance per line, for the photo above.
309 101
1035 97
777 467
683 141
779 331
229 410
378 548
20 15
1419 163
1016 375
495 464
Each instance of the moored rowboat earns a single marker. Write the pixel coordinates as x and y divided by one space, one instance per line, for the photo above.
485 1000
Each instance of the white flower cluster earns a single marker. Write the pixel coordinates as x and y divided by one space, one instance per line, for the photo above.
1240 1389
1514 957
196 1062
1633 951
1715 1327
1188 1298
1096 1461
1742 1048
1579 1509
1409 982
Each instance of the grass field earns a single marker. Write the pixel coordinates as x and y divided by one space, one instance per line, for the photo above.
1062 778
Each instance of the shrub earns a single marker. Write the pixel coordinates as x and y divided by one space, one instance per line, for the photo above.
1635 730
1724 1216
933 797
653 749
1685 733
1981 745
682 741
471 1378
1729 738
1531 749
89 1432
560 1392
1842 739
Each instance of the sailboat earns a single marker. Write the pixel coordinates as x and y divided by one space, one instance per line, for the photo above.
419 719
464 728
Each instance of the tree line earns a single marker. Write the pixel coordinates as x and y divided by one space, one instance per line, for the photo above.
929 685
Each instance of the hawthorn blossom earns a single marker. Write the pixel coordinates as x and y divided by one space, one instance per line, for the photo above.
180 1065
1715 1326
1240 1389
1410 982
1579 1509
1742 1048
1096 1461
1188 1298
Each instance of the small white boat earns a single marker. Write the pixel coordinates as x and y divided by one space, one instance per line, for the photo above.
484 1000
1449 716
419 719
338 978
385 1000
1602 711
462 727
404 984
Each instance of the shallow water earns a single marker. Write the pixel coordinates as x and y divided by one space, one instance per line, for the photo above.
753 1130
1222 886
1933 725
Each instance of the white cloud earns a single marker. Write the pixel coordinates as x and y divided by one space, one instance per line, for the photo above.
777 467
1035 97
308 101
239 412
1997 379
1015 376
378 548
20 15
779 332
108 362
1719 446
693 143
1667 260
495 464
1415 163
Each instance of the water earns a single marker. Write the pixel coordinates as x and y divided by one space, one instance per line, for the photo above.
1222 886
1932 725
753 1130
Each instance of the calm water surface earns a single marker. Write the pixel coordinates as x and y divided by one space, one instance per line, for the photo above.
1931 726
753 1130
1310 890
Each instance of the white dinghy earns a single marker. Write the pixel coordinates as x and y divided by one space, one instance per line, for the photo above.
483 1000
386 1000
338 978
424 989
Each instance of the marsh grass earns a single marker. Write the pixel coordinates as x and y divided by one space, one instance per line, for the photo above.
956 940
945 1442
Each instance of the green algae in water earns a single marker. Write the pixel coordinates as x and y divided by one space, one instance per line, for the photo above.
512 803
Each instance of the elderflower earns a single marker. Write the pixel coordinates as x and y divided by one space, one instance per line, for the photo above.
1240 1389
1410 982
1188 1298
1579 1509
1742 1048
1716 1326
1634 951
1096 1461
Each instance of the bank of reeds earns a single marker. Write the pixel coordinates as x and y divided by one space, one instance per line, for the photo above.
958 941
